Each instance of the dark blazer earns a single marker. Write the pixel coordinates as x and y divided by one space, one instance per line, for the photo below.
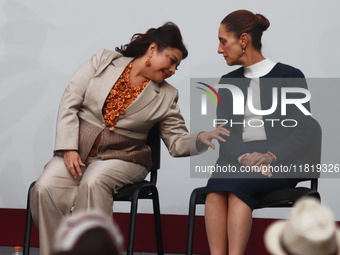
286 143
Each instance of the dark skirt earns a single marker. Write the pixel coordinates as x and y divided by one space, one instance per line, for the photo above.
249 190
250 186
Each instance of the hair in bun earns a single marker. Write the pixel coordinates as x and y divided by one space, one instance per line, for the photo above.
262 22
243 21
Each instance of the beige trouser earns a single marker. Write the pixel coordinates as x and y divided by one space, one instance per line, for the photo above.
56 191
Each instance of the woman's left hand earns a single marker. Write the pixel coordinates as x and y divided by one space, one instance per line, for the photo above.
207 137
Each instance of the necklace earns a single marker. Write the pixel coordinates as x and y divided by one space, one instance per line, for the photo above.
121 96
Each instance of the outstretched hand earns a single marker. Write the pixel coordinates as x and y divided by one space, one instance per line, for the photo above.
207 137
73 163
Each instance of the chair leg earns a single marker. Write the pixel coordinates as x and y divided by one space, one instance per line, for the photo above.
158 224
28 227
133 218
191 222
28 224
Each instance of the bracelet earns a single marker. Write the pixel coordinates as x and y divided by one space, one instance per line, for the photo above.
199 134
242 158
271 156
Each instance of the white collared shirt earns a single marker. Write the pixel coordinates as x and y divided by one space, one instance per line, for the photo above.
254 72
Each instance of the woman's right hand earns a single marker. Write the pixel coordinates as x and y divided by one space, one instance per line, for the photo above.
73 163
206 137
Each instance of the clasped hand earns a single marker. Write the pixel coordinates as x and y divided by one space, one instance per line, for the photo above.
260 162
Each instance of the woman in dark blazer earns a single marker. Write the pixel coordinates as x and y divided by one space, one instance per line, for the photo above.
257 143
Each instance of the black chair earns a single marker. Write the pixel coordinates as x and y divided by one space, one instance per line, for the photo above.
28 225
132 192
279 198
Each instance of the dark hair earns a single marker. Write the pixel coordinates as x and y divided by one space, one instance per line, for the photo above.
243 21
165 36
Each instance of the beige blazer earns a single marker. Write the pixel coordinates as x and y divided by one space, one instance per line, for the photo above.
87 91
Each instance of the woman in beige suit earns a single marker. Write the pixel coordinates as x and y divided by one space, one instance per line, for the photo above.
107 109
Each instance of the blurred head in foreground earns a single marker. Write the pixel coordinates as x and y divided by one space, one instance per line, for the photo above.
88 233
309 230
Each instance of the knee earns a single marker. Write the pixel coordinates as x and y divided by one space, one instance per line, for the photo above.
40 195
233 198
93 184
40 189
215 197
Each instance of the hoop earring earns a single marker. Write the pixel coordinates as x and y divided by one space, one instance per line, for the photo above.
148 62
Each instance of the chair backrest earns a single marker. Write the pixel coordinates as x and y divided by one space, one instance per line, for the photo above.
154 142
314 152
